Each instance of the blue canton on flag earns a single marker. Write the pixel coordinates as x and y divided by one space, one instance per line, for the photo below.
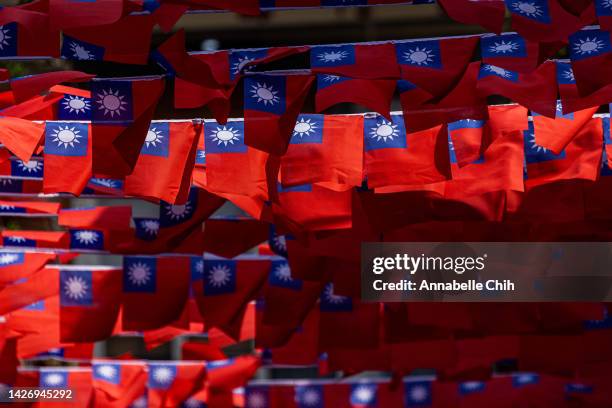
421 54
8 40
507 45
53 379
112 101
536 10
157 141
363 395
280 275
76 288
31 169
108 372
487 70
332 55
219 277
228 138
308 129
589 43
161 376
379 133
239 61
139 274
309 396
418 393
66 138
86 239
327 80
330 302
534 153
77 50
265 93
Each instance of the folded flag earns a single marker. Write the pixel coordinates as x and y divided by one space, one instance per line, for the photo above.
536 90
512 52
190 95
388 147
68 157
591 55
271 106
118 383
89 302
435 65
107 42
29 86
487 14
231 236
122 112
77 379
16 169
20 136
555 134
35 239
232 373
355 60
67 14
155 291
374 94
171 383
29 208
116 217
22 293
324 148
18 265
163 169
26 33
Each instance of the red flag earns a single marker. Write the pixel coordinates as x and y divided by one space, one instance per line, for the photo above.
29 208
89 302
555 134
571 100
155 291
170 383
324 148
117 383
355 60
26 87
113 218
37 286
18 265
512 52
77 379
591 56
271 106
35 239
163 169
230 237
27 33
20 136
374 94
232 373
66 14
488 14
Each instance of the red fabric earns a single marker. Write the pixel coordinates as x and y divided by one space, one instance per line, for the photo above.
233 373
20 136
43 239
26 87
189 379
113 218
32 262
488 14
38 286
34 207
190 95
367 63
132 382
35 35
231 237
66 14
37 108
556 134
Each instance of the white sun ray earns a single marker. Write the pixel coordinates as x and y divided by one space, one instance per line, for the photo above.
110 183
75 287
219 275
283 272
4 207
17 239
225 135
140 402
500 72
178 212
6 181
535 146
280 241
419 56
471 385
385 131
304 127
76 104
139 273
568 74
527 8
31 166
241 65
4 37
66 136
151 227
606 4
333 298
588 45
8 258
331 78
332 56
154 137
87 237
265 93
111 102
79 52
503 47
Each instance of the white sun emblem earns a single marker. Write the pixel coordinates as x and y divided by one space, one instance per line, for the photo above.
363 394
535 146
178 212
224 135
153 137
568 74
16 239
31 166
110 183
418 393
264 93
4 37
241 64
53 379
385 131
219 275
500 72
80 53
331 297
106 371
257 400
139 274
66 136
419 56
162 375
283 273
588 45
151 227
280 242
304 127
503 47
7 259
332 56
86 237
76 104
471 385
111 102
331 78
528 9
311 397
75 287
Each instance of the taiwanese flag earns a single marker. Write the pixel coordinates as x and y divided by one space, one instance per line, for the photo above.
117 383
536 90
232 236
511 51
461 102
29 208
579 160
324 148
232 373
603 10
374 94
555 134
22 170
108 42
421 155
227 287
68 157
29 86
271 106
543 20
288 300
591 55
18 265
122 112
163 170
68 14
116 217
35 239
435 65
364 61
26 33
571 100
78 379
155 290
38 286
85 240
105 187
20 136
89 303
170 383
487 14
75 103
